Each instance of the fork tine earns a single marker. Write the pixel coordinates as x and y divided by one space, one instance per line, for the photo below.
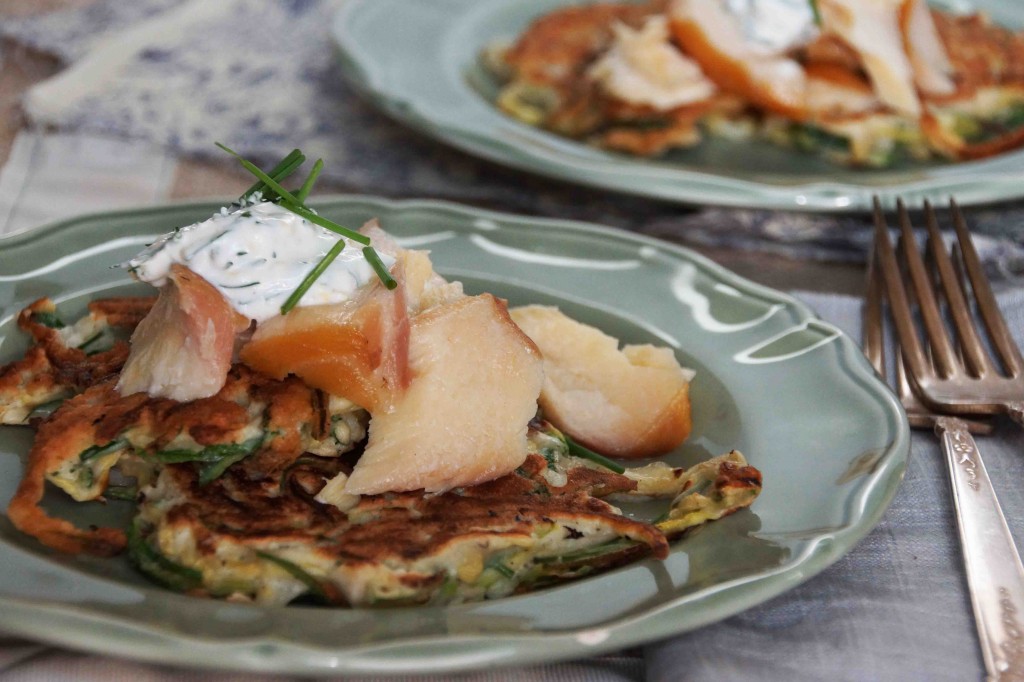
939 345
903 389
986 300
872 317
873 331
899 305
873 326
971 349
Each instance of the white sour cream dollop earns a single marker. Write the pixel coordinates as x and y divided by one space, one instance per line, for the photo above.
256 256
775 25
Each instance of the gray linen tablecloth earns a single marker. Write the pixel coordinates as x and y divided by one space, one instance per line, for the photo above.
895 608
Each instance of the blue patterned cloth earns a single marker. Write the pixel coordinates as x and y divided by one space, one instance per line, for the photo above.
261 77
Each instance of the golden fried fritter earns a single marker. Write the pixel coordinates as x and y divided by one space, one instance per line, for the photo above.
984 116
73 365
395 548
557 47
66 360
27 384
271 541
982 53
264 424
230 489
548 85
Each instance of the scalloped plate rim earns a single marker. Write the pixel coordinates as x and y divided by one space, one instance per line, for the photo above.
481 139
275 653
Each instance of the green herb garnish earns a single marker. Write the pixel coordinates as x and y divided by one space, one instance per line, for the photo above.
45 409
158 567
84 346
273 191
292 202
214 470
217 458
497 563
643 124
211 453
100 450
577 450
307 186
282 170
815 11
809 138
84 473
504 570
375 262
259 173
122 492
297 572
48 319
318 219
448 590
1014 118
610 547
313 275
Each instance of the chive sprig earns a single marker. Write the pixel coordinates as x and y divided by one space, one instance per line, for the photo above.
282 170
307 186
578 450
265 178
269 184
318 219
382 272
313 275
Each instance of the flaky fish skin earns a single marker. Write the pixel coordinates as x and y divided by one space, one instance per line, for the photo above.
183 348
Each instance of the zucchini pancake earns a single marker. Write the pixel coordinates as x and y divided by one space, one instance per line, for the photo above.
858 83
371 436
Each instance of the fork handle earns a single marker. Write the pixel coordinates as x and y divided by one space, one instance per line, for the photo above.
995 576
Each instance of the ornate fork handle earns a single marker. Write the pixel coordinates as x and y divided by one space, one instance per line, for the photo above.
995 574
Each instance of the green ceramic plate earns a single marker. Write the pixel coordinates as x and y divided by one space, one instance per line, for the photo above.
424 72
787 389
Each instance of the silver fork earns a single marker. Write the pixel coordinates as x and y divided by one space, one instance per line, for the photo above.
918 414
995 575
959 377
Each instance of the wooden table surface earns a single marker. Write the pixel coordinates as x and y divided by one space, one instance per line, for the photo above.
21 68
